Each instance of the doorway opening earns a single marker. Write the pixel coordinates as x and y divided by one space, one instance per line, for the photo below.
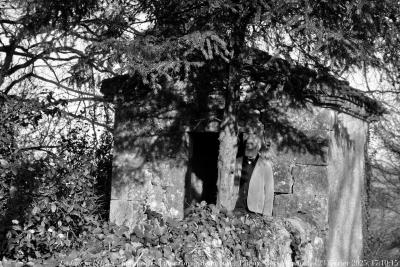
203 172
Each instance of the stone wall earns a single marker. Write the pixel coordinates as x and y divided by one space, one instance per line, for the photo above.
300 165
324 182
318 167
154 170
346 173
149 165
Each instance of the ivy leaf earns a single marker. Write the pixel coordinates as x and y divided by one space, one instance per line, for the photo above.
70 209
14 170
4 163
164 239
16 227
35 210
53 207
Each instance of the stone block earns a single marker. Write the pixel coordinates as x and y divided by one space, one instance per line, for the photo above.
161 186
346 174
125 212
171 179
314 207
310 180
311 118
285 205
127 183
304 136
283 180
321 135
285 157
326 118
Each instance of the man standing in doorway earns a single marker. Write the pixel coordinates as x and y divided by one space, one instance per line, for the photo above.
254 172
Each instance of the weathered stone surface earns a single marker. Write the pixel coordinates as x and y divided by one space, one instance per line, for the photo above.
314 207
283 180
301 135
173 181
284 205
310 180
299 156
325 119
125 212
313 153
127 173
311 118
286 172
309 144
160 187
346 180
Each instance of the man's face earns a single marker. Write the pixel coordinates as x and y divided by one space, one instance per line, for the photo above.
253 143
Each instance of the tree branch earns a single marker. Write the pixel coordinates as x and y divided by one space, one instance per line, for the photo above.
36 148
20 79
87 119
98 99
7 60
25 64
63 86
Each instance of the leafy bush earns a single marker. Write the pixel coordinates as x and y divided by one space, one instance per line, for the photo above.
62 203
48 201
206 236
384 244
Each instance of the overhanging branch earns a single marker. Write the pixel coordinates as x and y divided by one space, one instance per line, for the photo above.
64 87
13 83
105 126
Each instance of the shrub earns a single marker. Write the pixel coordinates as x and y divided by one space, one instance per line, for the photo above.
48 202
206 236
57 206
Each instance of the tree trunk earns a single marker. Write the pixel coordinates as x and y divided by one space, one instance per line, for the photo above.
228 137
226 164
228 140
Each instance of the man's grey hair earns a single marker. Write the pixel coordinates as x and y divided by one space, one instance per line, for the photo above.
258 128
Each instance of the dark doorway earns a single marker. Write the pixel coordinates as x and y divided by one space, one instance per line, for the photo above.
203 174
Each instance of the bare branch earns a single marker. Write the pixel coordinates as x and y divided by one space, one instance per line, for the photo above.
63 86
7 21
36 148
20 79
105 126
97 99
24 65
7 60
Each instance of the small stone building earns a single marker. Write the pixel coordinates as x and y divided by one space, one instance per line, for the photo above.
166 151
